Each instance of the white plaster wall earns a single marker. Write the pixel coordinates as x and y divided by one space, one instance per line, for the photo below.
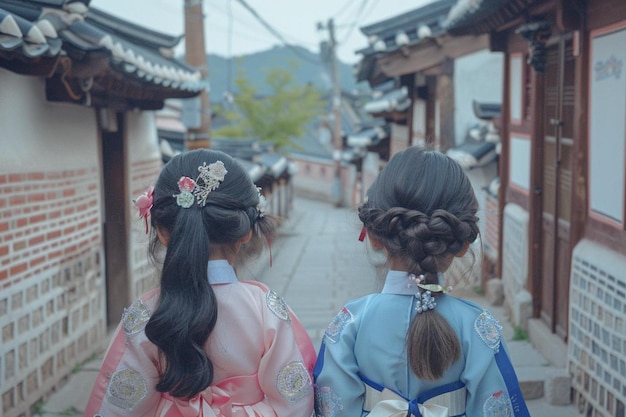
143 141
477 76
37 134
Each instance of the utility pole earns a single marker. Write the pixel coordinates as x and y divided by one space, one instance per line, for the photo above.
336 193
195 55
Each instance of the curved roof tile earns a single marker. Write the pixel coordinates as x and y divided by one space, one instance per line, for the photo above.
53 27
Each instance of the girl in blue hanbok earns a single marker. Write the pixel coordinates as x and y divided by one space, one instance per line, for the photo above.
414 350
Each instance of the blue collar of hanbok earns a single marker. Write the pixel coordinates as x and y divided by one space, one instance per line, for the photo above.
398 282
220 271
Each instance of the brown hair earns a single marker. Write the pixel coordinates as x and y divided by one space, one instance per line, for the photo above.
422 209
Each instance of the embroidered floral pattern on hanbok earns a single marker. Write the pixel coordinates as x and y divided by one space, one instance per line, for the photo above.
498 405
294 381
336 326
488 329
126 389
327 403
135 317
277 305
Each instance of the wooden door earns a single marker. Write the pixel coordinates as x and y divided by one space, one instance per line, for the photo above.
557 185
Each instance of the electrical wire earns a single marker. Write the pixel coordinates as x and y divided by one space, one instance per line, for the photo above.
355 21
246 23
277 34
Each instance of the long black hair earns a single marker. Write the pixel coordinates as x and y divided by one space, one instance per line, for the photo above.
422 208
187 310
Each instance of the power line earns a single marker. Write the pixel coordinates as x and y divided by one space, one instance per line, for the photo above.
274 32
355 21
246 23
345 7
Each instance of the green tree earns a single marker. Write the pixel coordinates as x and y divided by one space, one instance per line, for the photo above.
278 118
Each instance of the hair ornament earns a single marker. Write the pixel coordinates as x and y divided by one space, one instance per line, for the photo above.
262 203
144 204
425 301
414 280
208 180
185 198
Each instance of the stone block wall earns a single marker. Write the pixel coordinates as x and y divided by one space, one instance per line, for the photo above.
515 261
597 343
51 293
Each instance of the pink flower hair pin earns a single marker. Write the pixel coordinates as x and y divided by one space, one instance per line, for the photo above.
185 198
144 204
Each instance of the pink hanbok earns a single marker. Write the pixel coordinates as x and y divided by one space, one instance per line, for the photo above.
262 357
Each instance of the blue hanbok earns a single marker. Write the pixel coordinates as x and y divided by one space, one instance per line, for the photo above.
362 368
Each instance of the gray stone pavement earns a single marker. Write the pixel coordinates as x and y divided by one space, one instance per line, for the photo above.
319 264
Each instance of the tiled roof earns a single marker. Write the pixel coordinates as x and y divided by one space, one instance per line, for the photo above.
482 16
406 29
393 100
101 47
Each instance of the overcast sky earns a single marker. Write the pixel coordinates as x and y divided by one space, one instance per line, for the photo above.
231 30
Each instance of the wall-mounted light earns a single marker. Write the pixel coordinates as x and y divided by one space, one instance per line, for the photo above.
537 34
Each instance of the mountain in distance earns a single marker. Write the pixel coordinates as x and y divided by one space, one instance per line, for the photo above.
309 69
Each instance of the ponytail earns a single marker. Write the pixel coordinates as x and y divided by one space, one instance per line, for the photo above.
187 310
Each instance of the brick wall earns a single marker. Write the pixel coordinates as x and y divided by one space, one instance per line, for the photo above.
51 291
142 174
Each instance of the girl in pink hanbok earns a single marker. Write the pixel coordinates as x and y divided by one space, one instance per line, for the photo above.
205 343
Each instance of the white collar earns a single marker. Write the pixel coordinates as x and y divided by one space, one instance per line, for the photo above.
220 271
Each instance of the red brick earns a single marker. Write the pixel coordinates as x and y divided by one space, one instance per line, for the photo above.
36 240
3 202
21 222
16 200
53 235
4 250
3 274
69 192
68 211
36 197
54 215
69 230
37 261
36 176
3 179
17 177
38 218
19 268
54 254
19 245
4 226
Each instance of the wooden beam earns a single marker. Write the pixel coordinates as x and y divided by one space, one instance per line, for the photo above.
430 53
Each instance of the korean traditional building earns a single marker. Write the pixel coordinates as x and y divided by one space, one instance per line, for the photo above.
78 91
410 60
563 174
